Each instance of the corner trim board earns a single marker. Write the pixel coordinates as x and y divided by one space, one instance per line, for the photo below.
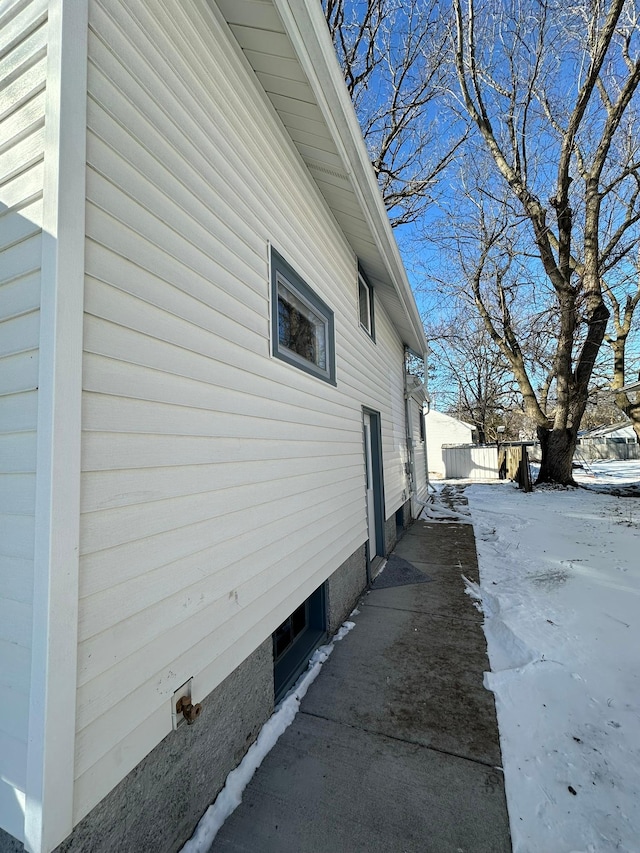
52 712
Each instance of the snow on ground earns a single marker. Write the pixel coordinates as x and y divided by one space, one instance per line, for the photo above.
602 475
560 589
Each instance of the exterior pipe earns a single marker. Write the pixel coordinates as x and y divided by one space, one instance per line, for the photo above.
413 495
425 360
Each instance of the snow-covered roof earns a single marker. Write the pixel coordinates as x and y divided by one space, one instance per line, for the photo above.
434 414
607 429
288 45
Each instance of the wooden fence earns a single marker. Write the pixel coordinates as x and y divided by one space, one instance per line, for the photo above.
513 464
487 462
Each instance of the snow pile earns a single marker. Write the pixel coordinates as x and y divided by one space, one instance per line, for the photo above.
230 797
560 590
435 511
446 505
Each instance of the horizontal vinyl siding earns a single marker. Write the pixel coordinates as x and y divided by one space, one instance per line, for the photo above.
421 469
22 82
220 486
384 383
419 449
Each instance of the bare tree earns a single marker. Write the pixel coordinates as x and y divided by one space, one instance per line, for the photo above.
549 90
393 57
623 307
473 381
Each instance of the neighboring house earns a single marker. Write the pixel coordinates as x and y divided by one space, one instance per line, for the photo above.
623 430
441 430
203 404
611 441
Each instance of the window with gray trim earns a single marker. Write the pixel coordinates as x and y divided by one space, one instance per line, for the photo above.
302 324
365 305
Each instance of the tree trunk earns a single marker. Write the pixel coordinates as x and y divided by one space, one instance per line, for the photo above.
635 422
558 447
631 410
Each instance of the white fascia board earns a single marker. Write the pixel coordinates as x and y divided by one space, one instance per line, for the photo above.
306 27
52 711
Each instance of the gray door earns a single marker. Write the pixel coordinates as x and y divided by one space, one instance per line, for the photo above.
373 483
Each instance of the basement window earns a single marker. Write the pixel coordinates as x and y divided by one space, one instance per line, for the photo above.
302 324
295 640
365 305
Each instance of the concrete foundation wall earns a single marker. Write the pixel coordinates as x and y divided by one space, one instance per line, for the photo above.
390 534
407 515
391 527
9 844
157 806
344 587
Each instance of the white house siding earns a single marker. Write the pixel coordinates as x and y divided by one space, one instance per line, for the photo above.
220 486
22 72
419 449
384 364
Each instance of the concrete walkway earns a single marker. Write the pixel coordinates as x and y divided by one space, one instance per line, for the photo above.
395 748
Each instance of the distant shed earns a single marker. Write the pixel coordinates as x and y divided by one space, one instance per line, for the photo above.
442 429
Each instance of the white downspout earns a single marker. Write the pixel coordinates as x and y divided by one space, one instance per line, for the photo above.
413 495
425 360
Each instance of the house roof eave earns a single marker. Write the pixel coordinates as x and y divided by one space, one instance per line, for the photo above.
309 94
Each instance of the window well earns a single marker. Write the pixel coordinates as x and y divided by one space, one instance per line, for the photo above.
295 640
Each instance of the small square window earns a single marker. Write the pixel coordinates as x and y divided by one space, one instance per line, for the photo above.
303 325
365 305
